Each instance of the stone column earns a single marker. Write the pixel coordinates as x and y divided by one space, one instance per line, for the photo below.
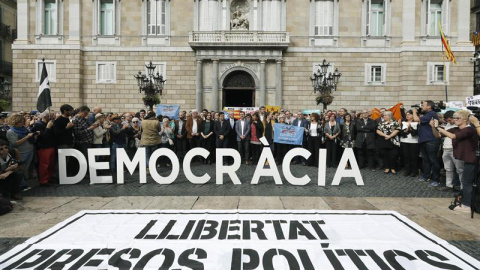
463 16
263 88
199 89
74 22
278 90
215 85
22 22
408 21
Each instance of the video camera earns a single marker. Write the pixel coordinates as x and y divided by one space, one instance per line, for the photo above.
437 107
475 111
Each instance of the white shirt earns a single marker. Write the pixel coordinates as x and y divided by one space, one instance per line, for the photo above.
180 125
409 138
299 122
242 125
313 130
232 122
447 142
194 127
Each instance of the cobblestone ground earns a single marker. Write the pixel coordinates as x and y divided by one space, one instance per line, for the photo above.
377 184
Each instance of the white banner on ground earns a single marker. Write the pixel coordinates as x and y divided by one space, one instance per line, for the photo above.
237 239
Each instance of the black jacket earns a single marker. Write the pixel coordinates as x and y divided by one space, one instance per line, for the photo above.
365 132
222 129
47 138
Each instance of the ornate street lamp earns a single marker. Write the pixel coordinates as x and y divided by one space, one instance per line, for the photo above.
324 82
151 84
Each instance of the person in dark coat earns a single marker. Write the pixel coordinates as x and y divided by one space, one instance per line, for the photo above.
314 133
365 140
180 133
222 131
300 121
46 142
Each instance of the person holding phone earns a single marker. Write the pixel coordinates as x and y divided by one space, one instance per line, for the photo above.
464 141
21 139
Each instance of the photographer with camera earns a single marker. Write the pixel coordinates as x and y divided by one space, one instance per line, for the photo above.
10 176
429 144
464 142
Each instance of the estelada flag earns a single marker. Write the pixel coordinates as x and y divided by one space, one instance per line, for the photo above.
397 114
448 51
44 100
376 113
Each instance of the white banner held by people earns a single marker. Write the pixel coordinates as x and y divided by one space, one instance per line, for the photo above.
473 101
237 239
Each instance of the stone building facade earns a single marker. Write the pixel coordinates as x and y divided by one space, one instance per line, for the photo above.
8 28
216 53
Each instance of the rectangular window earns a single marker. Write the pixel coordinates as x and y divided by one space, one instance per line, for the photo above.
106 72
209 11
375 74
156 17
271 15
435 12
323 18
50 17
437 73
107 17
375 18
51 70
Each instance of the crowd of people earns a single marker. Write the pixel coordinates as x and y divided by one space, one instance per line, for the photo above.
419 144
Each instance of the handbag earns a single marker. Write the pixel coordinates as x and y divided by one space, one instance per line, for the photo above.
170 141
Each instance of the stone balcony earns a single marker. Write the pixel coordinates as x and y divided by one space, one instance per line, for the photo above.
239 39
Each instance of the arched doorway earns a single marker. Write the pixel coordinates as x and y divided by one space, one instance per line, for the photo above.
238 90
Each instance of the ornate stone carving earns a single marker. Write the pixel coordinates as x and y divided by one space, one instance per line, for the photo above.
239 10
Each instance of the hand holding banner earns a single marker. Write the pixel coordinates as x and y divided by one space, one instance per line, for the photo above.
172 111
288 134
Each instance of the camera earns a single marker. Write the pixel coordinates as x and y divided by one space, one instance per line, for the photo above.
437 107
475 111
13 161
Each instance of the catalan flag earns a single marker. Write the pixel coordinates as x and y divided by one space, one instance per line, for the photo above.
448 51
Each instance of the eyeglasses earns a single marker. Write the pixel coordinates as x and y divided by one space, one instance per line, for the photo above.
134 121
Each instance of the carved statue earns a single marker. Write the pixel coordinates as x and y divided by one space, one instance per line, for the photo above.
239 21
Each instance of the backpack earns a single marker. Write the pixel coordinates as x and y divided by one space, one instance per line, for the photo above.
5 206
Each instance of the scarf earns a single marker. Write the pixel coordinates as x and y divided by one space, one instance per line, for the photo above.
21 132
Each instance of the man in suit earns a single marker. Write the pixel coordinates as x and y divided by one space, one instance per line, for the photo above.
242 128
232 137
181 136
222 130
365 140
193 129
300 121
